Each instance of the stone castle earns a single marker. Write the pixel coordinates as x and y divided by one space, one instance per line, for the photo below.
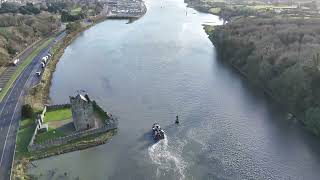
82 112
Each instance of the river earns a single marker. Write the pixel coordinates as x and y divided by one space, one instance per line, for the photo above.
160 66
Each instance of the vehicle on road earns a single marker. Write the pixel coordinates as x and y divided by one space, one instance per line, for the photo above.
43 65
38 73
15 62
45 59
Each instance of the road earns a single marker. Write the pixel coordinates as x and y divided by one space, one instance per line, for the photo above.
10 110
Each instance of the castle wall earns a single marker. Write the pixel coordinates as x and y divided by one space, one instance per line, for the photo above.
67 139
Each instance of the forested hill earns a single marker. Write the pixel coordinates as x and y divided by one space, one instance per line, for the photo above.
17 31
281 55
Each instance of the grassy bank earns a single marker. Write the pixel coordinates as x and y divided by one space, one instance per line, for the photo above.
21 67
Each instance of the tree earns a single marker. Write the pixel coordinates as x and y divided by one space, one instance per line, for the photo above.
73 26
312 119
27 111
8 7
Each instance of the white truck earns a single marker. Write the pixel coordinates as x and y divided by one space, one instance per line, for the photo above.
15 62
45 59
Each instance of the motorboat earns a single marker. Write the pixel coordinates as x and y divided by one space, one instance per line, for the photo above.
157 132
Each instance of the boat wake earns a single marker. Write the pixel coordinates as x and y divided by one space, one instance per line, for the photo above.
166 159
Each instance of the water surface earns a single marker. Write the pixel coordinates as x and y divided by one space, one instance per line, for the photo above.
160 66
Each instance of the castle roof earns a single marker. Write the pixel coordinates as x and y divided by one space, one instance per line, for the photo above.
80 96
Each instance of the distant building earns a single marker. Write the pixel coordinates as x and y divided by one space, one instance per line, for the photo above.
82 112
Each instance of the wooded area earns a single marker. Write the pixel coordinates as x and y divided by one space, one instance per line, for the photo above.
279 54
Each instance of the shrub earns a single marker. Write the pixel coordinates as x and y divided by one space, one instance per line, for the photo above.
27 111
313 119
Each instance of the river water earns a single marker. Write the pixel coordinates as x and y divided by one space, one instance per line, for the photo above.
160 66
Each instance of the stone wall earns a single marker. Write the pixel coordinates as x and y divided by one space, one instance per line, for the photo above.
66 139
57 106
33 136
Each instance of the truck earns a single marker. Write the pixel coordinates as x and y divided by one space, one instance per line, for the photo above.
43 64
45 59
15 62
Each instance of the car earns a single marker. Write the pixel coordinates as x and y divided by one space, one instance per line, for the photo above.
38 73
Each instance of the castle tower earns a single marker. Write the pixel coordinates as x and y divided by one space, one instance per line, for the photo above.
82 112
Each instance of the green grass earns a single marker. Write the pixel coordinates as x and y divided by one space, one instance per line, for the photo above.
215 10
58 115
263 6
208 28
22 66
26 123
51 134
24 136
75 11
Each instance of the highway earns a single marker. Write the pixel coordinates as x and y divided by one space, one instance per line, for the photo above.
10 110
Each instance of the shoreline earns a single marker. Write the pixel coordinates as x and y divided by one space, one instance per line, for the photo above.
38 96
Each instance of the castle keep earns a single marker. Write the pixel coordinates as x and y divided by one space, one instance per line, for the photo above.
82 112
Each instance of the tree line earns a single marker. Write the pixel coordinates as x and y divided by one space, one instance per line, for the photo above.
282 55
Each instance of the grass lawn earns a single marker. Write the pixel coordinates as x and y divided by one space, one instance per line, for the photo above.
26 123
22 66
24 136
58 115
263 6
75 11
215 10
208 28
51 134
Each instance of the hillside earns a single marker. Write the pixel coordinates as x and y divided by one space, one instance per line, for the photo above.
17 31
282 55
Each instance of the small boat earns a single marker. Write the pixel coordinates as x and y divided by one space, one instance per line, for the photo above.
157 132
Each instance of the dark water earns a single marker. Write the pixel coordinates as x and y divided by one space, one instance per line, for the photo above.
160 66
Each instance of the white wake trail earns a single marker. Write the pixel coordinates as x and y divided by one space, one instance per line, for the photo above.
166 159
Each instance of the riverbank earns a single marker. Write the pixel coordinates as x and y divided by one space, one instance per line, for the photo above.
271 46
23 162
279 55
38 96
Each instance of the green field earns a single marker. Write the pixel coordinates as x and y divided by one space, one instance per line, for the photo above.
25 133
58 115
51 134
215 10
263 6
75 11
22 66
